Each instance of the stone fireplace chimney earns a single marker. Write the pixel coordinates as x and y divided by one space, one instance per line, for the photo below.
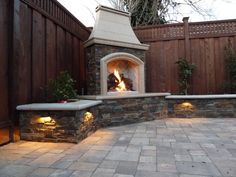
112 46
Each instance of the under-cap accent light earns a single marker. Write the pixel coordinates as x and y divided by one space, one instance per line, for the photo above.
187 105
88 116
46 120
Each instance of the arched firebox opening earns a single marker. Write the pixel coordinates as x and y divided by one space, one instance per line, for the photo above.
121 73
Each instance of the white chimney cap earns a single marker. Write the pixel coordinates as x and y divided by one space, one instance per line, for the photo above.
112 27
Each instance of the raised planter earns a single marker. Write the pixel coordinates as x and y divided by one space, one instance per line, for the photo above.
58 122
206 106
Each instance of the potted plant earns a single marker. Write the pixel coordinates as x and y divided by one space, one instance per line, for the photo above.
185 70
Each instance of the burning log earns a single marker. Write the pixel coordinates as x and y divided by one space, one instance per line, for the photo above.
128 82
113 82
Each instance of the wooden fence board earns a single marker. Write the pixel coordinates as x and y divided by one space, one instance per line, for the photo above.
38 56
210 76
154 67
51 55
181 49
174 87
69 52
202 69
61 61
4 42
75 62
160 60
168 62
148 74
219 63
82 70
195 59
24 64
224 74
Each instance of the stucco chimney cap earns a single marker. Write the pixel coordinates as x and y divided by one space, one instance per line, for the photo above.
112 27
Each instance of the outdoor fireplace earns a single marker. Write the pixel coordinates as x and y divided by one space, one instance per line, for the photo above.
121 73
115 56
115 87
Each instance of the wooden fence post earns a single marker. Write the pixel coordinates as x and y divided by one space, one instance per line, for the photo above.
186 38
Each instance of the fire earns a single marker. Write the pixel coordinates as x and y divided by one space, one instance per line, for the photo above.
121 85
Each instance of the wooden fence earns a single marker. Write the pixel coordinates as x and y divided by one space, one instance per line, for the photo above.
202 43
39 38
4 55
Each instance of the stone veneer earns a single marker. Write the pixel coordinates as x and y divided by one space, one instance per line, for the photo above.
94 54
71 125
120 110
71 122
205 106
132 110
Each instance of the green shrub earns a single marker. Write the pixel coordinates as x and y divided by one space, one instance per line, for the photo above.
230 66
185 71
61 88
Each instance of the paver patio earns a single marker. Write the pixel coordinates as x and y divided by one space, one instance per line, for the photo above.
161 148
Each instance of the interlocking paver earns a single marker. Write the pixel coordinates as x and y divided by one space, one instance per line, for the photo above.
102 172
183 157
94 156
42 172
122 175
140 141
81 174
166 167
162 148
146 166
147 159
13 170
61 164
123 156
155 174
196 168
227 167
46 160
109 164
201 158
61 173
84 166
127 168
187 175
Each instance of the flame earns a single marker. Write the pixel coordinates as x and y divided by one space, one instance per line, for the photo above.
121 85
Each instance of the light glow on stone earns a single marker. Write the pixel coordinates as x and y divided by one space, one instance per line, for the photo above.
187 105
88 117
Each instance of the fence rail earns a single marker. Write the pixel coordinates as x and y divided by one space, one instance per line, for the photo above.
196 30
160 32
207 29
